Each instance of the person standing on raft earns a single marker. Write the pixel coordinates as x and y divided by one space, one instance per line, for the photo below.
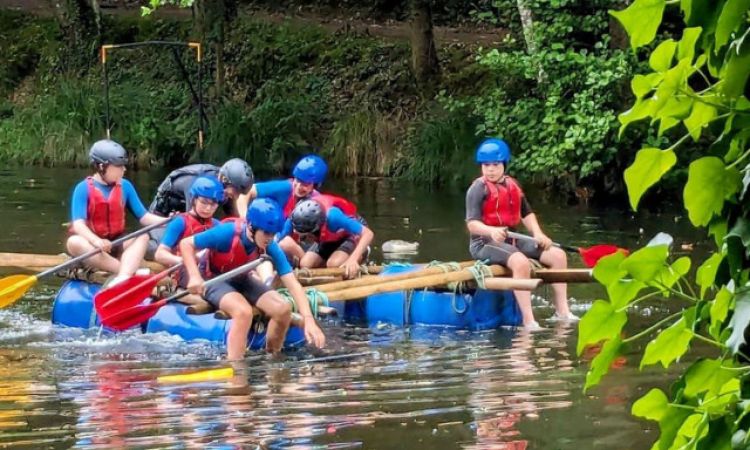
236 243
307 176
98 213
495 203
336 235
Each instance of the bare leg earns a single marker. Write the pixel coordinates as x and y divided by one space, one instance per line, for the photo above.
292 250
77 245
280 313
337 258
521 268
241 313
311 260
556 258
264 272
132 256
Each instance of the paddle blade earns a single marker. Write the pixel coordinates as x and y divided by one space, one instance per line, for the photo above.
124 295
197 377
13 287
125 319
592 255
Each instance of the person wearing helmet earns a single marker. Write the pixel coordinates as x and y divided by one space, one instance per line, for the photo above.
206 194
308 174
495 203
98 207
233 244
336 235
173 194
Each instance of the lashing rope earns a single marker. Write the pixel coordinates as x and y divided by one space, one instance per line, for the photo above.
315 298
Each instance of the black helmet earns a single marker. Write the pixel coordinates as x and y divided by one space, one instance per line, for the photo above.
308 216
108 152
237 173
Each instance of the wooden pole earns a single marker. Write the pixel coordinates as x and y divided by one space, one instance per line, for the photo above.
429 281
371 279
43 262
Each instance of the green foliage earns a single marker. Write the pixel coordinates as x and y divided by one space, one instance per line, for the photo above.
698 86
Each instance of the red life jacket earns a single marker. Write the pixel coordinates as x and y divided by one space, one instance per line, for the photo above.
193 225
105 217
222 262
502 206
328 201
292 201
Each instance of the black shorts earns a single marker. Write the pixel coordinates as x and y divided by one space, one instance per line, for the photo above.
250 287
346 245
500 253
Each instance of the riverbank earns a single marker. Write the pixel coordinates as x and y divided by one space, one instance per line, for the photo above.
342 88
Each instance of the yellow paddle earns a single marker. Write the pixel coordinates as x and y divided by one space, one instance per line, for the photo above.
196 377
13 287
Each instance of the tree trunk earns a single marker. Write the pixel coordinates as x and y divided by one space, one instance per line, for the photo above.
527 23
618 36
423 53
80 23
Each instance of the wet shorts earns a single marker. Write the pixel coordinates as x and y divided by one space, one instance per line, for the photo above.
500 253
250 287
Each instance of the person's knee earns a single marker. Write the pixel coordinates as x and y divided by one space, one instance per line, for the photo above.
519 264
557 258
242 314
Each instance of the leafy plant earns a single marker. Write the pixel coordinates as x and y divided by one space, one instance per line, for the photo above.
698 85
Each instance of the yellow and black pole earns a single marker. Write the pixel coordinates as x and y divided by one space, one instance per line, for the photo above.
197 93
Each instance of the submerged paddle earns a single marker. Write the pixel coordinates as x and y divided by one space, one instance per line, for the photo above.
13 287
590 255
123 312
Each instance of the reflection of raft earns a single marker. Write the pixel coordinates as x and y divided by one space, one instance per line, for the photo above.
74 307
474 310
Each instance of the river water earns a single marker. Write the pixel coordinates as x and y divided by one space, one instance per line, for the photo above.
373 388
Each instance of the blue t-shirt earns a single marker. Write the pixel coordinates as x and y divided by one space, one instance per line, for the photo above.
174 230
220 239
336 221
80 200
278 190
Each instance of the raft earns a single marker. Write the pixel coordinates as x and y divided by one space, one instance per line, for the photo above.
74 307
474 310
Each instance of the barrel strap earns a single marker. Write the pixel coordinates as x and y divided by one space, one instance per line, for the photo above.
315 297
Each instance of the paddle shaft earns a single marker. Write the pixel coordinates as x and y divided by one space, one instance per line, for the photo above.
89 254
567 248
223 277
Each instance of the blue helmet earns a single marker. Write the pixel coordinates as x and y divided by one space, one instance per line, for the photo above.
265 214
207 186
310 169
493 150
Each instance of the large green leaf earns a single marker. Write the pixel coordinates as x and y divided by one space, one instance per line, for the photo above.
643 108
600 322
669 425
652 406
707 376
700 116
601 363
719 311
661 58
645 263
687 43
668 275
649 166
709 183
735 72
669 345
641 20
732 15
622 291
706 273
739 320
741 230
607 269
643 84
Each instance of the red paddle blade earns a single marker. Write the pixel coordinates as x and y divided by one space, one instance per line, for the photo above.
125 319
126 294
592 255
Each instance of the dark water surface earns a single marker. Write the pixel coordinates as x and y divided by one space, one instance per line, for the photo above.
374 388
